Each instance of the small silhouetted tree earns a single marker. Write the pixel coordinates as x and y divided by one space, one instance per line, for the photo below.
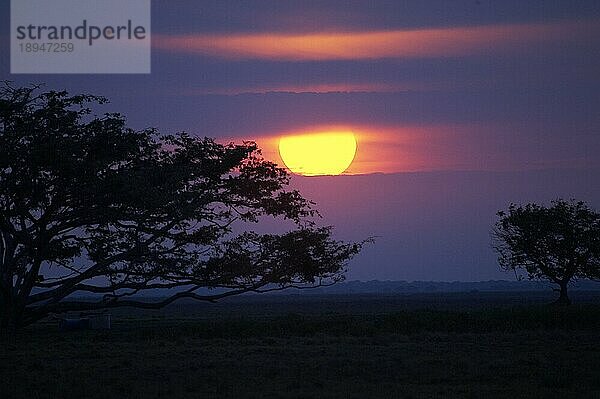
558 243
88 205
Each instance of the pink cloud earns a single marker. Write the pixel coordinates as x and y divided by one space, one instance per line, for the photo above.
437 42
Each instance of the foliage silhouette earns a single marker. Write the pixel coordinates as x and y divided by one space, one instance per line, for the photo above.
558 243
90 205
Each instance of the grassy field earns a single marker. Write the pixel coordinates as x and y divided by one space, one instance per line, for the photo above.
419 346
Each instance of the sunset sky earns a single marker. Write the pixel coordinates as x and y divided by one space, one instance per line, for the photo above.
458 108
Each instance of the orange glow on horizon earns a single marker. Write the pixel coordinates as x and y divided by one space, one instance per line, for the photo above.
380 148
388 149
409 148
433 42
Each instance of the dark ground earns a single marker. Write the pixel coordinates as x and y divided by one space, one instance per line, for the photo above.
469 345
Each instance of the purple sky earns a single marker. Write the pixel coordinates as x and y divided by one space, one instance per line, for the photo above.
460 107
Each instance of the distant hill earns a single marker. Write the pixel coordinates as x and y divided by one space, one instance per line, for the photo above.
406 287
402 287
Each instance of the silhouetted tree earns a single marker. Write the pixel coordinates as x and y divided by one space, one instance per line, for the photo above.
90 205
556 243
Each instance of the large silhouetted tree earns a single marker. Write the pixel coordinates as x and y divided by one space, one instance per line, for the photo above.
558 243
88 205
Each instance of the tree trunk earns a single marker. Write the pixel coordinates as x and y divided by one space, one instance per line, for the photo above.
563 299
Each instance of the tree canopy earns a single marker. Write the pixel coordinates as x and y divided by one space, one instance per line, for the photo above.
558 243
89 205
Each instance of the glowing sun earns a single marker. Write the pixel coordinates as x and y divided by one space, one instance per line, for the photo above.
313 154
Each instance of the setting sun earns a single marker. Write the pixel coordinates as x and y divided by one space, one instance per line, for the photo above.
313 154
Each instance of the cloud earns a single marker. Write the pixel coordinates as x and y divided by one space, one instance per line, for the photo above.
416 43
311 88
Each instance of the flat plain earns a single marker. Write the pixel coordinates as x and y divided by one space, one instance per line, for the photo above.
455 345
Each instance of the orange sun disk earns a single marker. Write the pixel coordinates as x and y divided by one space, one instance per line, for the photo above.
315 154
